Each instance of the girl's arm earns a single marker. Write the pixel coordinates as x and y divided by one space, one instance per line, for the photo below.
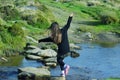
48 39
68 22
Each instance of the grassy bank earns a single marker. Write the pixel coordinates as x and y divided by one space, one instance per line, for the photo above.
95 19
19 19
113 79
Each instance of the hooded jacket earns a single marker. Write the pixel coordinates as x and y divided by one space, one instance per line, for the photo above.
63 47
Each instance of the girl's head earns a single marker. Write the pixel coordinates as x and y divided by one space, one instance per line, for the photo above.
55 32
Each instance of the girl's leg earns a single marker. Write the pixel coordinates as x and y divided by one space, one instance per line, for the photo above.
60 62
64 67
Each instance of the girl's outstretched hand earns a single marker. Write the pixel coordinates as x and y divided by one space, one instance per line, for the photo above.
71 15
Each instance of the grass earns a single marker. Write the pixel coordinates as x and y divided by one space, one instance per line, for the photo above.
99 28
87 14
113 79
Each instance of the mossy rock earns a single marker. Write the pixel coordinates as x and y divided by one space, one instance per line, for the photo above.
48 45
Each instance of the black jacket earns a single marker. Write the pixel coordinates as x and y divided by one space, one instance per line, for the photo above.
63 47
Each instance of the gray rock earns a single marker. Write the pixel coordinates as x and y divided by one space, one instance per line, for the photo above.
74 54
47 53
57 78
32 72
51 64
53 59
32 50
26 76
73 46
3 59
89 35
52 78
33 57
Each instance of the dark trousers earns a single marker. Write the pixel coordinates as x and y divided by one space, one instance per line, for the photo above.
60 60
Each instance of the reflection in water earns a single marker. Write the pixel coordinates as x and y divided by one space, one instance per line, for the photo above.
12 61
20 61
31 63
107 44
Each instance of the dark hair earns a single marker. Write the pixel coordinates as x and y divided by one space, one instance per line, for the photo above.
56 32
54 24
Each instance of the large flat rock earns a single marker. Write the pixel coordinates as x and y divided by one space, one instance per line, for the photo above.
32 73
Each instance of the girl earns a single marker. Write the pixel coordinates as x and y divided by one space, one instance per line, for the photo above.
60 37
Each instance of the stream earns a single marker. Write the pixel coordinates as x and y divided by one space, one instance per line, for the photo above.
95 62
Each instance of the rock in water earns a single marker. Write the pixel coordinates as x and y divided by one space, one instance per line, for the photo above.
57 78
31 73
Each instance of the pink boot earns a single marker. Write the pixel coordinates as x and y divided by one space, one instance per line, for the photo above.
66 69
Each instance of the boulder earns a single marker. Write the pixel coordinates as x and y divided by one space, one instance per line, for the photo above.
52 78
74 54
29 49
53 59
31 73
47 53
57 78
73 46
34 57
3 59
51 64
42 73
33 51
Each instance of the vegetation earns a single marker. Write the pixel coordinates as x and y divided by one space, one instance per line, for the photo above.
21 18
113 79
109 17
104 18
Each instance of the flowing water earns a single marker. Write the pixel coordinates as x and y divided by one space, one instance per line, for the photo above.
95 62
10 72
